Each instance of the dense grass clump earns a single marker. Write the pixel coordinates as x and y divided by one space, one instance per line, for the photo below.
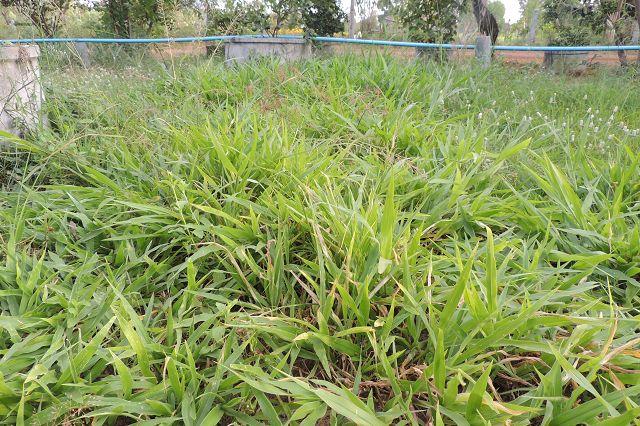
341 241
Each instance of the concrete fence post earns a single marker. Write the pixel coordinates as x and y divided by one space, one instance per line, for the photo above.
635 34
483 50
82 49
21 94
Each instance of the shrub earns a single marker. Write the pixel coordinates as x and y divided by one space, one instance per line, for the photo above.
238 17
323 17
431 21
567 22
45 15
284 13
126 18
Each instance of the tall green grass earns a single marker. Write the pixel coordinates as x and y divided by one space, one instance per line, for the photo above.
349 240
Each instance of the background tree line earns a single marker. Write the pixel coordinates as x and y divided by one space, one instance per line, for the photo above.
558 22
129 18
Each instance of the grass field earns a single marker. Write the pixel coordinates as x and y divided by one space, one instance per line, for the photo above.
345 241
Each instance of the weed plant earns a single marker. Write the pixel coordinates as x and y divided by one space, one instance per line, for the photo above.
342 241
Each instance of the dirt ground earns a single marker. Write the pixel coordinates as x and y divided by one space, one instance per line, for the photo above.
166 51
603 58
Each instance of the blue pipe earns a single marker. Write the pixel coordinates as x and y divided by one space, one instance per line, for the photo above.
566 48
115 40
393 43
327 40
471 46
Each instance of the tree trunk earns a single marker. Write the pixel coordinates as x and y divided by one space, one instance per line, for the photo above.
7 20
533 26
352 19
487 24
622 56
206 13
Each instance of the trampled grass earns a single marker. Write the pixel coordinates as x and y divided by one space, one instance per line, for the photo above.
343 241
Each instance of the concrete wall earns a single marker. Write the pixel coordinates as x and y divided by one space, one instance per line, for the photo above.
21 94
562 62
241 49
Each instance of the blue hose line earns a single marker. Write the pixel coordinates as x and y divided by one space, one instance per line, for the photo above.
325 40
392 43
115 40
566 48
471 46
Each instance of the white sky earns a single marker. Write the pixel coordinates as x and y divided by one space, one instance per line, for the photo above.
512 10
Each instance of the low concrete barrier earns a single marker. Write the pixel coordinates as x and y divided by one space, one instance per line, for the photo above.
21 94
562 62
242 49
